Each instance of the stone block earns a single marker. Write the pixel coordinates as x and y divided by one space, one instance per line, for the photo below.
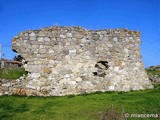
72 51
32 38
47 70
40 39
35 75
69 35
31 35
62 36
79 79
30 87
46 39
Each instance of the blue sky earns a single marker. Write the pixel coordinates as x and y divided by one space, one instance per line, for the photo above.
142 15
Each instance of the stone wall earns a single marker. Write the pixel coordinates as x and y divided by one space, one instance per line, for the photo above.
73 60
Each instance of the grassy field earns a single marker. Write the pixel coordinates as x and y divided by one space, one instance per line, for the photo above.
81 107
12 73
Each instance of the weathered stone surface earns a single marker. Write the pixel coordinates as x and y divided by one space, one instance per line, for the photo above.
47 70
154 78
73 60
69 35
46 39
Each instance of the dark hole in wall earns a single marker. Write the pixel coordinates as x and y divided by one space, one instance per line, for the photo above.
102 66
81 46
25 62
95 73
19 65
105 63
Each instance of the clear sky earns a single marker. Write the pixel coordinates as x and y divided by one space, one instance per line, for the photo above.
142 15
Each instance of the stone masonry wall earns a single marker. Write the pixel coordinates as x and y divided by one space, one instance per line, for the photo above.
73 60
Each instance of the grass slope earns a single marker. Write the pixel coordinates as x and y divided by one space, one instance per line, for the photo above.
153 71
81 107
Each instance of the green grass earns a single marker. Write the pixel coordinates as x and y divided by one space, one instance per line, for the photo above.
12 73
153 71
81 107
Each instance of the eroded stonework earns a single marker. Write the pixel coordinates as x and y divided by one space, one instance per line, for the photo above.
73 60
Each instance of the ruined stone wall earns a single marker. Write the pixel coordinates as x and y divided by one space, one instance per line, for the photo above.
73 60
